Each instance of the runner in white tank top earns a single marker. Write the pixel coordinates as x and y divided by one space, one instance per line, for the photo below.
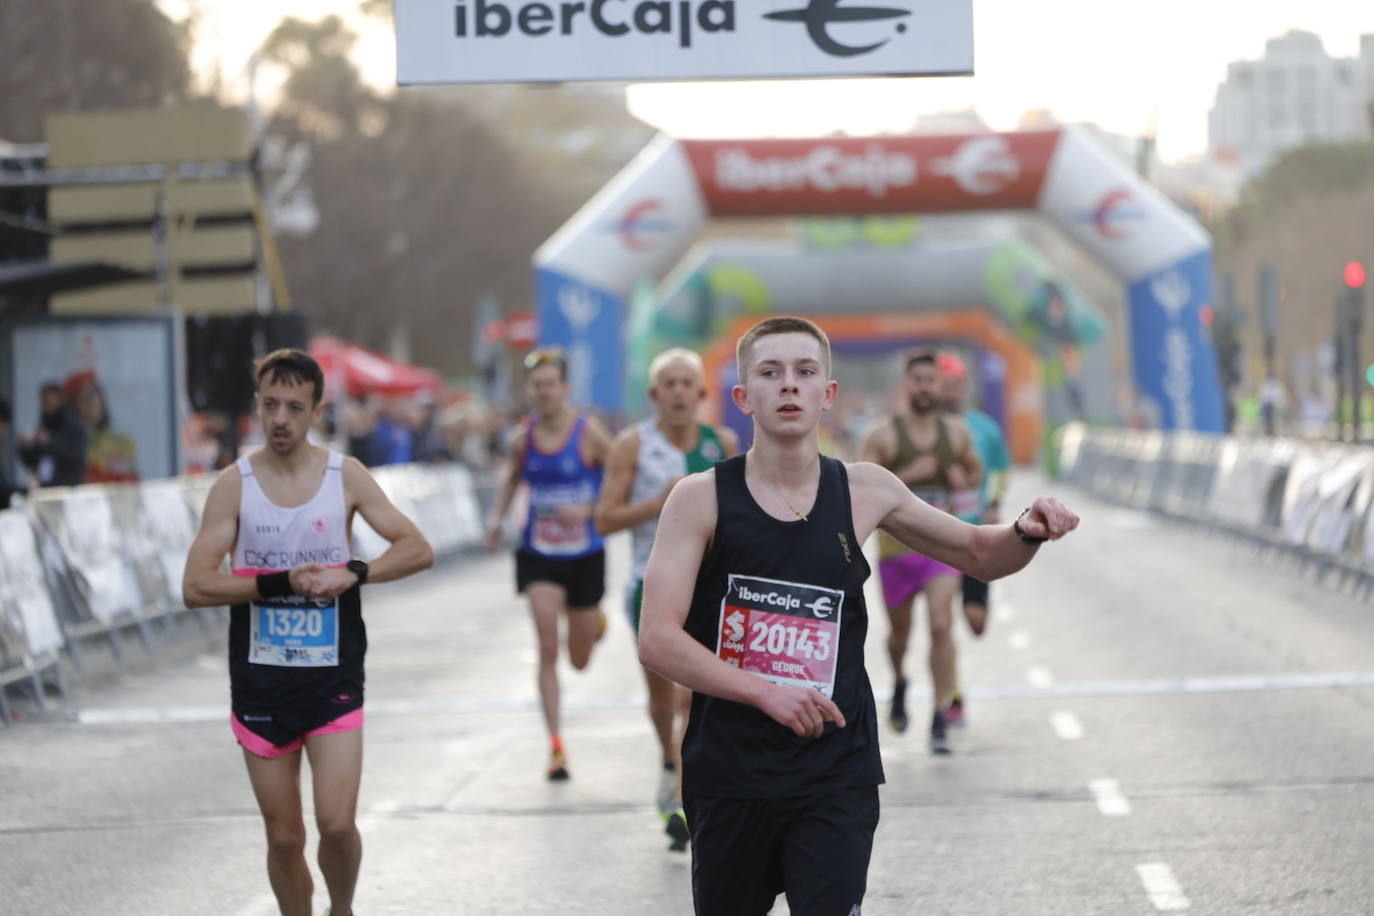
296 637
646 461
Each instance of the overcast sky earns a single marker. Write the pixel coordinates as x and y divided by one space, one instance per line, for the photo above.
1119 63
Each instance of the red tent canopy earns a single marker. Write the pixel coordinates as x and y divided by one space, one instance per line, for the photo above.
360 372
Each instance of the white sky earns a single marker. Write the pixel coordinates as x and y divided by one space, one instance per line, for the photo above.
1115 62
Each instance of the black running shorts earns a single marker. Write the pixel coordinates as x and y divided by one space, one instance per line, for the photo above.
975 591
814 849
584 578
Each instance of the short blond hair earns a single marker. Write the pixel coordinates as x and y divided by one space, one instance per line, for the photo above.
779 324
673 355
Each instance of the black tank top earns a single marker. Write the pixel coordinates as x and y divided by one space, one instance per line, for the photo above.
784 601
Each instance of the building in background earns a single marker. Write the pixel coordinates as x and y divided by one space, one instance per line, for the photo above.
1296 94
138 273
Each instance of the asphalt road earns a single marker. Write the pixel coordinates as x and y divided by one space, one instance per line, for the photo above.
1159 720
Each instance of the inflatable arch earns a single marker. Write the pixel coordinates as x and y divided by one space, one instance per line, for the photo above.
1024 421
644 220
861 268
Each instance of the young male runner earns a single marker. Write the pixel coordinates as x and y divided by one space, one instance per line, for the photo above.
560 565
646 460
753 598
981 506
934 457
296 634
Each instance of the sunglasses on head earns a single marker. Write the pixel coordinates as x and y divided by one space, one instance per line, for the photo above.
546 356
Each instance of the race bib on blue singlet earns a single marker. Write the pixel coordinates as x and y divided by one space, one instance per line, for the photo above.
299 633
784 632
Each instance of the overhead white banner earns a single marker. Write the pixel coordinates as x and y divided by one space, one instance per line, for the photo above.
514 41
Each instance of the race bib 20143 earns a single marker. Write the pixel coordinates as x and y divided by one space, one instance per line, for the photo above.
786 632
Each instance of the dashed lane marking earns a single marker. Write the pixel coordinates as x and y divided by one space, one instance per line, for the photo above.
1110 800
1163 888
1066 725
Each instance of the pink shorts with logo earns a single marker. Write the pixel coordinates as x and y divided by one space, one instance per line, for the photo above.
260 746
906 575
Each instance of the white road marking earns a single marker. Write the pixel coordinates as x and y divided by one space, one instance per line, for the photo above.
1162 887
1019 640
1039 676
1066 725
1109 799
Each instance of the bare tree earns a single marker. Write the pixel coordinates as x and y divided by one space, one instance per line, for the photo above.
66 55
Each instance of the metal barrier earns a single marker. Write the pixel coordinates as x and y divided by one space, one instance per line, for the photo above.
94 562
1311 502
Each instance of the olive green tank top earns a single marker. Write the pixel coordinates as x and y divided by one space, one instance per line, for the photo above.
934 489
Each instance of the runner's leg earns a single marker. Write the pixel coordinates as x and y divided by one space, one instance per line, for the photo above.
939 593
826 852
898 636
584 629
546 600
975 604
336 767
663 706
277 787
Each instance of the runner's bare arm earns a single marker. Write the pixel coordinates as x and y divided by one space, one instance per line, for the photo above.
729 442
515 461
875 446
613 512
967 456
203 584
596 443
409 552
985 552
684 532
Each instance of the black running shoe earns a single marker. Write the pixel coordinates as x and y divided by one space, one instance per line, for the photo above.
939 739
677 831
898 716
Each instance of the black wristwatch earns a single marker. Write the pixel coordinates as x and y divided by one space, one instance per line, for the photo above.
359 569
1020 532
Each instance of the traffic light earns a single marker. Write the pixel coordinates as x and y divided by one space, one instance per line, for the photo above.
1354 275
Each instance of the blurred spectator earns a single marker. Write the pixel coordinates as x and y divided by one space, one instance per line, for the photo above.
359 422
1272 399
56 451
7 487
430 442
111 457
469 429
393 438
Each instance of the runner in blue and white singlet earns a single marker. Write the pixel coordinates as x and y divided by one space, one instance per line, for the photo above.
555 480
560 566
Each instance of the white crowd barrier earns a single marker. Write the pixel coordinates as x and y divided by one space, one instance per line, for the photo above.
1313 500
95 562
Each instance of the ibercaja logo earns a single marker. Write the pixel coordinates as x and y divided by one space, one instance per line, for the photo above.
825 21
